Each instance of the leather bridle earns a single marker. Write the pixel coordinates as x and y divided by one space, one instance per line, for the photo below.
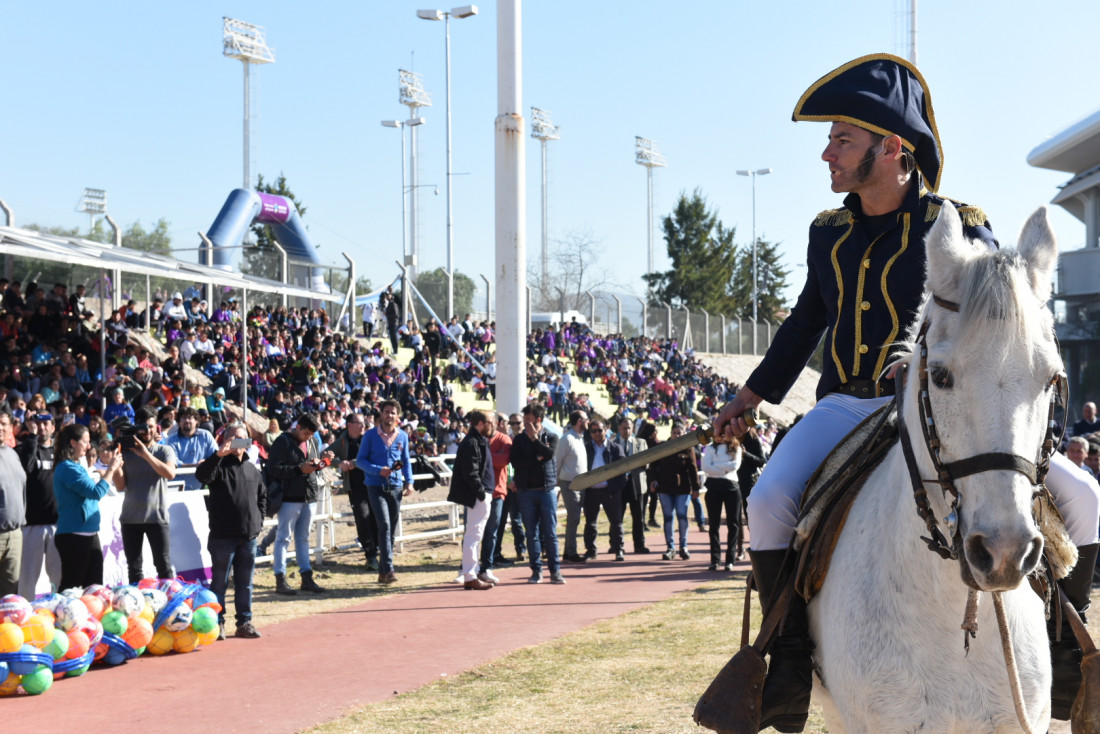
948 473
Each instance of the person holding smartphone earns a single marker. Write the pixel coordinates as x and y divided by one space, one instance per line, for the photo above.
384 458
293 462
236 506
147 467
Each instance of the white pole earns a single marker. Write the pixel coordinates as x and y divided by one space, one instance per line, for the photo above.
511 224
404 197
247 173
450 216
649 216
414 239
913 31
545 247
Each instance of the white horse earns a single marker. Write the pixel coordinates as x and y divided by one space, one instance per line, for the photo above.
887 621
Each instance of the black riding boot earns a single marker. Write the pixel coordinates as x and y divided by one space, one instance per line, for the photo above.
786 696
1065 654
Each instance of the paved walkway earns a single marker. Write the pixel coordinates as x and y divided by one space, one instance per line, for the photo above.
311 670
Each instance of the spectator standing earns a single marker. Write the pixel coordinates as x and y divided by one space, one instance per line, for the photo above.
570 461
13 482
36 455
293 463
393 317
1089 422
675 478
720 463
472 485
536 478
236 506
345 449
500 449
636 489
147 467
387 470
601 450
191 444
78 494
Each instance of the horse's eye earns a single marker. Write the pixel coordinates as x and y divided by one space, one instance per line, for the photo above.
941 377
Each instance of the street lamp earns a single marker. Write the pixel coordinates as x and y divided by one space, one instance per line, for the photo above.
464 11
754 174
247 43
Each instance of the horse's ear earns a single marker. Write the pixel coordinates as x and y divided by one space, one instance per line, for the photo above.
947 250
1039 247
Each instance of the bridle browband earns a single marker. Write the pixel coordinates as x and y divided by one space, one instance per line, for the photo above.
947 474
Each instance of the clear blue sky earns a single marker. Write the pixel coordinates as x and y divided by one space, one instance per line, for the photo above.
136 98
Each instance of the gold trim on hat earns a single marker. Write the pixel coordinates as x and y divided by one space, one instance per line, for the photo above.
798 116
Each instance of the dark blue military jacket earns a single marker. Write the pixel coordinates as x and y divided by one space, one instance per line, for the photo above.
862 294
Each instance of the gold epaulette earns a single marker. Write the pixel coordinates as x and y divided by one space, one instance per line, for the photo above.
833 218
972 216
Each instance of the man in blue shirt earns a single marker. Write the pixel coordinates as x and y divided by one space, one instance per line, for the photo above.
191 444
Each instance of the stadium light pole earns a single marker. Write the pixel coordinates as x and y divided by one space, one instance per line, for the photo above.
413 96
753 175
646 154
246 42
543 131
464 11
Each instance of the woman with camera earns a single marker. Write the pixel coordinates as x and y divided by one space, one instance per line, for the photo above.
384 459
78 493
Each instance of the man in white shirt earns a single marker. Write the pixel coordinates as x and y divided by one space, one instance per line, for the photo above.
572 460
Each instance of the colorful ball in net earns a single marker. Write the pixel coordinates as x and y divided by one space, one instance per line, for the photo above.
11 637
15 609
155 598
179 618
10 685
138 633
94 630
148 614
79 644
185 640
204 619
208 638
128 600
205 598
105 595
115 622
162 642
38 681
171 587
77 672
71 614
147 584
59 645
47 602
37 631
94 605
26 665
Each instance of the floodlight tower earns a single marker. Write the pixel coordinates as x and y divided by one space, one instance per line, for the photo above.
543 131
646 154
412 95
246 42
92 202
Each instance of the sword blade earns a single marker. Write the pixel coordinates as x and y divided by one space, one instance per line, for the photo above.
701 435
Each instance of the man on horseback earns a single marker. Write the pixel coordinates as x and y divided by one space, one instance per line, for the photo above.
865 280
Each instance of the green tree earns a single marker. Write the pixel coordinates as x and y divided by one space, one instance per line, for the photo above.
158 241
771 281
263 260
703 256
433 286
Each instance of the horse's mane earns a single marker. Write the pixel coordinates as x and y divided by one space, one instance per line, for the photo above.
997 304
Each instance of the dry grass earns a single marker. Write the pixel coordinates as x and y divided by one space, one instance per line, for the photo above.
640 672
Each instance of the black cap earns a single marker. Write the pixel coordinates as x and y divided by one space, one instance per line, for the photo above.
886 95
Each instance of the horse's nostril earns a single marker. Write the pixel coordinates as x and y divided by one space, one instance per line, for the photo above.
978 555
1031 560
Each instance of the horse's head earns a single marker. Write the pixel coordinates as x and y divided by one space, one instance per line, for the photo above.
990 366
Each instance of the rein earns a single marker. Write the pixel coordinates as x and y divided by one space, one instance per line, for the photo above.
947 474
